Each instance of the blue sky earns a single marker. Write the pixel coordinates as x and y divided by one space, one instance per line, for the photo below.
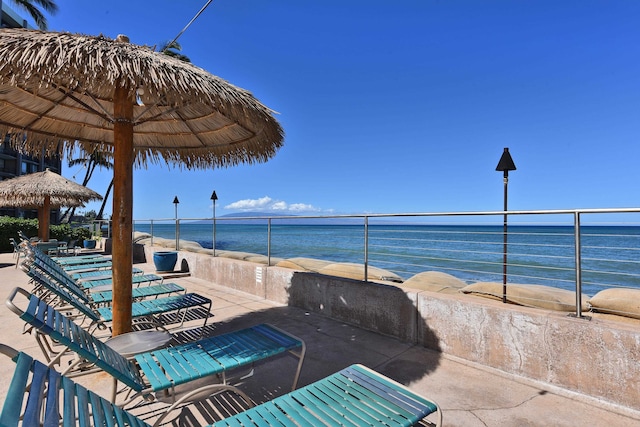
403 106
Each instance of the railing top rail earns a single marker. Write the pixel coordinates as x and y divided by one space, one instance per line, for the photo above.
414 214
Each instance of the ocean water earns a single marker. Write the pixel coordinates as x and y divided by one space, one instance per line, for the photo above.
610 255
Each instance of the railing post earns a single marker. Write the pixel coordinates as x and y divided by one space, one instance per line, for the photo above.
269 242
366 248
151 232
578 249
504 243
177 234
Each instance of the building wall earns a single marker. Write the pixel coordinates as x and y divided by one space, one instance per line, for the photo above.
9 18
13 163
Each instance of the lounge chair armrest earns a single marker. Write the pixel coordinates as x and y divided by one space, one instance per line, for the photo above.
9 351
9 302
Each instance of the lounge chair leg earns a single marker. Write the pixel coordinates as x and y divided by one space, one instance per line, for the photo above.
210 390
114 391
248 374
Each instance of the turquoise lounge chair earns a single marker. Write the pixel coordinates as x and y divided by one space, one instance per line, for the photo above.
65 260
77 268
100 274
99 290
98 314
163 369
72 264
355 396
44 260
84 267
52 246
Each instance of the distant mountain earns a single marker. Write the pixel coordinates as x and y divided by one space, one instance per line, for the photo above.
287 219
252 218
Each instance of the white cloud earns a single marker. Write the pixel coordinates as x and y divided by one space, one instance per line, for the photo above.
302 207
279 206
250 204
267 204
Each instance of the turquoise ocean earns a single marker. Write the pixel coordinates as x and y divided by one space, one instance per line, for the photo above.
546 255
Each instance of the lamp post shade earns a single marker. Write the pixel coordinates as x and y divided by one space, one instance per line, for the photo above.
44 190
59 91
505 164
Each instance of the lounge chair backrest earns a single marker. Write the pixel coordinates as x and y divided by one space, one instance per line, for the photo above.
39 258
23 236
51 399
80 303
37 266
54 324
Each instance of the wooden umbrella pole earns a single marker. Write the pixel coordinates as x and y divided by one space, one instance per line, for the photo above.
122 210
40 223
43 219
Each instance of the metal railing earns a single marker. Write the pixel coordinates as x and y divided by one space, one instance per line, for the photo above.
584 251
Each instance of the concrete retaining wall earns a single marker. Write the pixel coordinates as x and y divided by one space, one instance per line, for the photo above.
598 358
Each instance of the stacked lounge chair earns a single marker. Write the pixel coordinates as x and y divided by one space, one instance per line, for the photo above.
74 264
162 369
98 314
80 266
98 288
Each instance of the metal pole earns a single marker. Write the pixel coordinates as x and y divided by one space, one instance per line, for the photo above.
366 248
214 198
177 234
504 234
578 249
190 22
269 242
214 228
175 202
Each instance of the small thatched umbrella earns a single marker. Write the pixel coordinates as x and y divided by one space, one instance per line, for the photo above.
44 190
63 90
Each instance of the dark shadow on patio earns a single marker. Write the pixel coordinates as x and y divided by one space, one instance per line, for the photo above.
317 314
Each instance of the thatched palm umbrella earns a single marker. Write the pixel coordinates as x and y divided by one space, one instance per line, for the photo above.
60 91
44 190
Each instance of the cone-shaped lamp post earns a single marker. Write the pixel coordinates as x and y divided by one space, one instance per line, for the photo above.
505 165
214 197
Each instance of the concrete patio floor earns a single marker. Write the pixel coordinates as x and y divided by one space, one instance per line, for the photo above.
469 395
